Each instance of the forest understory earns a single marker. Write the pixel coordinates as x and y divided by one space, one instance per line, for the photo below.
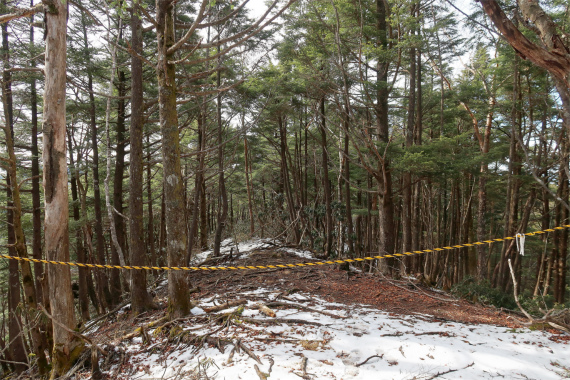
146 133
309 323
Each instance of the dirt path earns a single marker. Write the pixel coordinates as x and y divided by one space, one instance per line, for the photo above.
400 297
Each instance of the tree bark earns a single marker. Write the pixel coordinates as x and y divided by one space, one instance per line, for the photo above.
554 57
326 182
140 298
67 346
222 193
386 209
179 298
83 272
101 277
198 186
36 201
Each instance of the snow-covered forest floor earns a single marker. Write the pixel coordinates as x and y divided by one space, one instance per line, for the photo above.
328 324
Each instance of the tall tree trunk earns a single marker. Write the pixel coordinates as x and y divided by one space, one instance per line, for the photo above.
36 201
326 182
283 149
409 141
150 227
249 186
223 196
198 186
179 298
101 276
83 272
67 346
16 230
140 298
559 267
347 199
386 209
120 167
15 333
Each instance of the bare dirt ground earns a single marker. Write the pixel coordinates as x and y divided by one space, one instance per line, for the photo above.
347 287
398 297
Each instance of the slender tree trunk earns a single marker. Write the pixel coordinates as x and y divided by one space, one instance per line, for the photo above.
83 272
559 267
36 201
101 276
249 189
283 148
223 196
140 298
326 182
150 227
198 186
16 229
386 219
407 176
15 335
347 199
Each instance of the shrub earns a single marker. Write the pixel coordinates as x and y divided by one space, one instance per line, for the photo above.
482 292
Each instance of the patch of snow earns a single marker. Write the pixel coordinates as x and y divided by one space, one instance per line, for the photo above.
243 248
299 252
197 311
409 346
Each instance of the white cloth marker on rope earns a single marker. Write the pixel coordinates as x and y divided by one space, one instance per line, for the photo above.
519 238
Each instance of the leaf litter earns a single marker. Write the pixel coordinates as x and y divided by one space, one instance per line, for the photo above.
328 324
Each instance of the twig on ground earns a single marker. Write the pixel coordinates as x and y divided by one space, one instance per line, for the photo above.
449 371
93 322
280 320
225 305
367 359
303 374
303 307
262 375
249 352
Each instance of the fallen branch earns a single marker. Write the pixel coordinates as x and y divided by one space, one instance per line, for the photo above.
449 371
225 305
303 374
248 351
440 333
139 330
367 359
280 320
94 321
303 307
262 375
266 310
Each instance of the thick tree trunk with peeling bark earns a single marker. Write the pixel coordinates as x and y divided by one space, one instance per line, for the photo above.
67 346
178 296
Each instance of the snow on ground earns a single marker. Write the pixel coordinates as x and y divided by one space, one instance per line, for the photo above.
396 346
244 249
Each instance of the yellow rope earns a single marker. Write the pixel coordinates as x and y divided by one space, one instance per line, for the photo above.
315 263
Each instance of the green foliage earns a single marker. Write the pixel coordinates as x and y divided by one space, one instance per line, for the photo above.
482 292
